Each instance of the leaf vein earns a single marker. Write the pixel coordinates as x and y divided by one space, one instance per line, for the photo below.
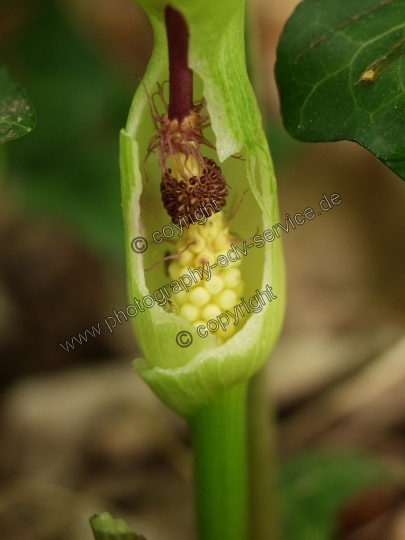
352 19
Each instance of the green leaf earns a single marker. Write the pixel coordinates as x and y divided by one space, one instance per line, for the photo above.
104 527
315 485
341 75
188 378
17 115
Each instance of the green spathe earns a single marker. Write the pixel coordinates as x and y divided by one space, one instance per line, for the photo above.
187 378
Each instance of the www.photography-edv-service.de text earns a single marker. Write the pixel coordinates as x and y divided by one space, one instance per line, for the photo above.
161 296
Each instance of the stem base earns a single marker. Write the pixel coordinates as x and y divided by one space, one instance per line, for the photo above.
219 443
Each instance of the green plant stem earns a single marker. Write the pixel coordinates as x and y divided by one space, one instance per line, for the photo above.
262 460
220 466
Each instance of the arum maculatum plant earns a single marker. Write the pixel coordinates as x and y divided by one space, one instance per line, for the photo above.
207 293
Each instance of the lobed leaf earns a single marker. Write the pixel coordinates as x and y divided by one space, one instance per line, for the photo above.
340 71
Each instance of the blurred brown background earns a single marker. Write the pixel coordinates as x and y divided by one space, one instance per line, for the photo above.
80 433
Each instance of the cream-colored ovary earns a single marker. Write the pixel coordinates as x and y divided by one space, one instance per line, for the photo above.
207 299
